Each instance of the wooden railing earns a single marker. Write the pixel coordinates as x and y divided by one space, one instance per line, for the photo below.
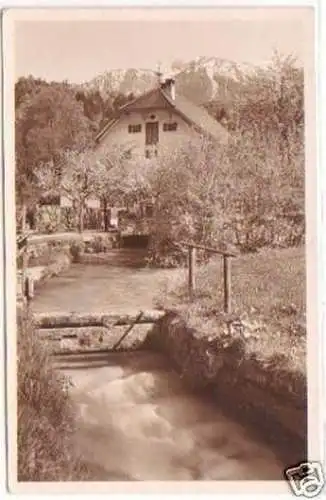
227 255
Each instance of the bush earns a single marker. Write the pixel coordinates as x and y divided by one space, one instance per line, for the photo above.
243 194
68 219
48 219
101 244
46 415
163 253
47 252
76 250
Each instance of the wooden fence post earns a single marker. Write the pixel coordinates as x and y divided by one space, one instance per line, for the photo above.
191 269
227 283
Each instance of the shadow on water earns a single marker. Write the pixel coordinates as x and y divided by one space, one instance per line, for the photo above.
132 258
142 361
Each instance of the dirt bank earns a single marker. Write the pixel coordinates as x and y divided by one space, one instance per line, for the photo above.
269 400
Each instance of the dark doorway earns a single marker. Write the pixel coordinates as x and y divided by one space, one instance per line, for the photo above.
151 133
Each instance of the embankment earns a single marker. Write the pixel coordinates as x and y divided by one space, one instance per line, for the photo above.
269 400
50 255
46 423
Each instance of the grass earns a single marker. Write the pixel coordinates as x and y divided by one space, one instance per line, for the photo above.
46 416
268 293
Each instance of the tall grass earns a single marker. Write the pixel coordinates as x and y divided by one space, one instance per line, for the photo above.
46 417
268 293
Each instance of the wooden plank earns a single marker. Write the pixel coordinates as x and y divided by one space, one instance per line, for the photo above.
209 249
68 320
66 353
70 333
127 331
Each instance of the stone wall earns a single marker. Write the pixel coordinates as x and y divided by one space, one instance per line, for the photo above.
273 405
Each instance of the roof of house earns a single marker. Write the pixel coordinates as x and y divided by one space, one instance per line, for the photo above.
193 114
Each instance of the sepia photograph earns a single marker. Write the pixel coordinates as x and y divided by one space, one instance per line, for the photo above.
160 186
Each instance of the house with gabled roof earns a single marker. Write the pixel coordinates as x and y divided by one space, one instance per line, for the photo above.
159 120
155 123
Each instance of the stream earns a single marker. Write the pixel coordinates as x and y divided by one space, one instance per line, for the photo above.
137 420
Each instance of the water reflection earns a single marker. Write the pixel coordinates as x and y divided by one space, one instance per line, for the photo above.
141 422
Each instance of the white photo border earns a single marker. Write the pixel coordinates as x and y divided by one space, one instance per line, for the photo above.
7 185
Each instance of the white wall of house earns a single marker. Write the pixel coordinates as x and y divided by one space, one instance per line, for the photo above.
168 140
120 136
67 203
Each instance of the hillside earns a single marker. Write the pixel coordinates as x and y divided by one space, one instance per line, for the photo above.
201 80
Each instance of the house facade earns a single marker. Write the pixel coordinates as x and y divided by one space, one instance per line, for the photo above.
157 122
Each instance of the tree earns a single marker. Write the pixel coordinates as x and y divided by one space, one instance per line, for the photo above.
237 194
124 181
105 175
271 105
25 88
93 106
267 102
111 162
185 187
79 181
48 124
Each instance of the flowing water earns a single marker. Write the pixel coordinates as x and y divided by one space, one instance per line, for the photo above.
116 287
137 419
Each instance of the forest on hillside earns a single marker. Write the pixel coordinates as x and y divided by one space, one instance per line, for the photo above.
257 180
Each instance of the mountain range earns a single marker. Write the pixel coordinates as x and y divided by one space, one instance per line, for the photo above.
201 80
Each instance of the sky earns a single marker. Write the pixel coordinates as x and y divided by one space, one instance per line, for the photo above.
77 50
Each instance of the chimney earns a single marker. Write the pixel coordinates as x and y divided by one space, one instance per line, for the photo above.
169 87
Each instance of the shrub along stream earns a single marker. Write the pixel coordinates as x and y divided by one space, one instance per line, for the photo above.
46 417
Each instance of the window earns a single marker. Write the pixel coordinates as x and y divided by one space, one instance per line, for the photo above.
134 129
170 127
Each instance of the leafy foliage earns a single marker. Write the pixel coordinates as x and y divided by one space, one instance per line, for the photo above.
267 101
78 180
99 109
250 193
49 122
46 422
